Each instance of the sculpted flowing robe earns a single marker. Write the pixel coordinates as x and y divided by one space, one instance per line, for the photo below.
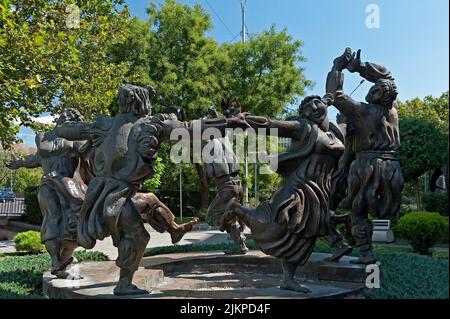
62 189
298 212
125 148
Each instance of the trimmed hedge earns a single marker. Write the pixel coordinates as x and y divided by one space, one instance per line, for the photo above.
423 230
435 202
410 276
21 276
29 241
85 255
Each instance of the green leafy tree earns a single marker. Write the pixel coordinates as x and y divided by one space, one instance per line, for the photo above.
154 183
189 70
430 108
423 148
264 73
434 110
53 55
19 179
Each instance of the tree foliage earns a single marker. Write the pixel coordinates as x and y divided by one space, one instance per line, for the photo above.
49 61
264 73
20 179
432 109
190 70
153 184
423 147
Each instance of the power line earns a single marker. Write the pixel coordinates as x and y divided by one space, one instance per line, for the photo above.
238 34
220 19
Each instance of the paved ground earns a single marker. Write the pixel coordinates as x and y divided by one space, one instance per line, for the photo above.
7 246
159 240
156 240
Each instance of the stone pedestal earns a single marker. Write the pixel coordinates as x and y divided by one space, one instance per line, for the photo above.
213 275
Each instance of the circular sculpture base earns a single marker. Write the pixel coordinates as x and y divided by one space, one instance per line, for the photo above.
213 275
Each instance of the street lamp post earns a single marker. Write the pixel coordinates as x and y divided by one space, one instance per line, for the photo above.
181 194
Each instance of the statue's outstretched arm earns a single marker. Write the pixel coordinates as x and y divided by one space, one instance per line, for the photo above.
196 128
85 131
31 161
290 129
75 131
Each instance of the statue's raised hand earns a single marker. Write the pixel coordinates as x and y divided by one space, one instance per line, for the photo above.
341 62
355 63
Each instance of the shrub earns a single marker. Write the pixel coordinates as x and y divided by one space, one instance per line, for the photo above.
422 230
85 255
29 241
201 214
21 276
435 202
33 213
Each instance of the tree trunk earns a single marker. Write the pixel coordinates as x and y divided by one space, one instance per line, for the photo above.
204 186
416 184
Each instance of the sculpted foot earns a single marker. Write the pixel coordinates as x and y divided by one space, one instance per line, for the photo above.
339 254
230 215
294 286
61 267
365 259
178 234
126 289
238 250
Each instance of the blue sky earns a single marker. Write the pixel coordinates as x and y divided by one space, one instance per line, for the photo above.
412 40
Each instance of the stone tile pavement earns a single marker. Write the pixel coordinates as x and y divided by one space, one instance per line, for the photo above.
7 246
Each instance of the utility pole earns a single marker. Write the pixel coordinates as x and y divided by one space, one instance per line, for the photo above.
243 35
244 31
181 194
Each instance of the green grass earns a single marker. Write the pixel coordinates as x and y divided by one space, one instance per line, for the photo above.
21 276
411 276
406 275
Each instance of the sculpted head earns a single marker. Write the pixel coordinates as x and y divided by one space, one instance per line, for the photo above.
383 92
314 109
135 99
231 107
70 115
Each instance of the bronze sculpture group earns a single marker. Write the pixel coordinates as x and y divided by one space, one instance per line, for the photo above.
93 172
